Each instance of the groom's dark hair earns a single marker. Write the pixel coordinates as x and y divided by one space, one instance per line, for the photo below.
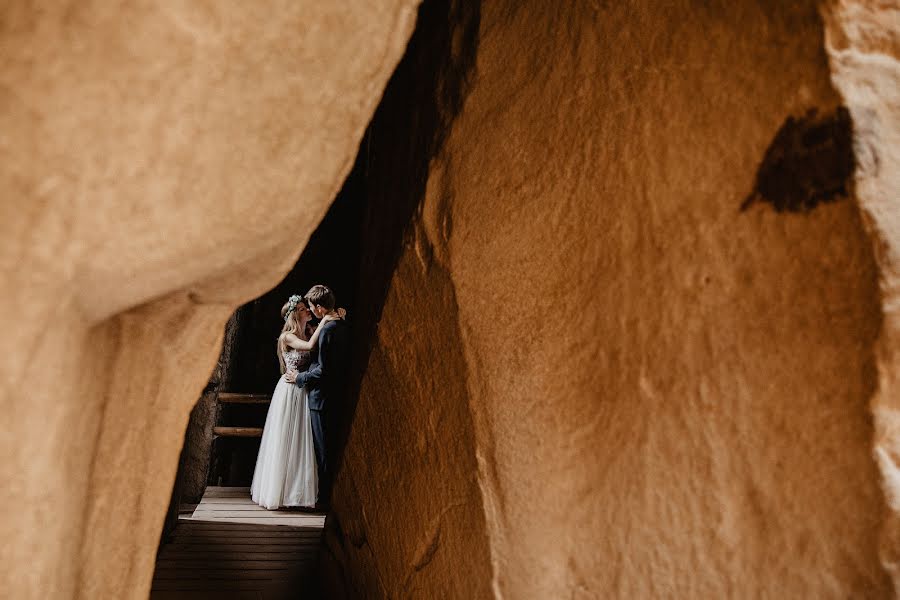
321 295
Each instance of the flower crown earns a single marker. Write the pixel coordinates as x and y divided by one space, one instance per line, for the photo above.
293 301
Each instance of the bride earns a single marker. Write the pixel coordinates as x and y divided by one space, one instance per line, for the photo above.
285 473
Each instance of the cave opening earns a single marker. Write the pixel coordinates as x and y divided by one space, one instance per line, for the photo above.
354 251
357 244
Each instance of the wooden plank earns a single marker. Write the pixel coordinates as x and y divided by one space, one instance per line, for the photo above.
263 554
249 507
238 558
258 513
226 496
213 540
216 490
199 552
245 544
210 506
281 522
257 510
216 543
227 508
248 432
228 558
235 501
201 595
310 559
178 550
232 499
225 584
226 534
260 552
208 571
252 564
252 509
260 518
229 533
234 398
226 493
242 504
210 585
163 574
229 498
183 548
191 525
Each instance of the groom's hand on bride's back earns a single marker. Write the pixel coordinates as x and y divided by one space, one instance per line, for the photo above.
290 376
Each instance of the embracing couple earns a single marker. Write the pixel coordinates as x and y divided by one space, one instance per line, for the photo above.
294 462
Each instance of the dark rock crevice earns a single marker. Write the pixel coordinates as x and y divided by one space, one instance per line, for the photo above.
809 162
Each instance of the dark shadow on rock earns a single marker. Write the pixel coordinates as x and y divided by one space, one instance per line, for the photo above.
420 103
810 161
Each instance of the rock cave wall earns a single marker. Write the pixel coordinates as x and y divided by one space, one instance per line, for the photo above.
667 395
863 42
151 157
640 391
196 453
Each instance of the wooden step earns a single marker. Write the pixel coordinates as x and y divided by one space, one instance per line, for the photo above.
224 557
238 431
233 398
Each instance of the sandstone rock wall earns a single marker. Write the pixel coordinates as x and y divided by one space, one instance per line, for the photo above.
667 396
863 41
161 164
194 463
594 375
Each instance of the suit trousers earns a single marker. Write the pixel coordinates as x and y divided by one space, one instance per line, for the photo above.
318 420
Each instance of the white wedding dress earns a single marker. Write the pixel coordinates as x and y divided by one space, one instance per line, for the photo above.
285 472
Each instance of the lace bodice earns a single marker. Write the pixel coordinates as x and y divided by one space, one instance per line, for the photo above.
296 360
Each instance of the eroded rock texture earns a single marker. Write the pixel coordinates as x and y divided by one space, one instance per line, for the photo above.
194 464
864 49
667 397
161 164
594 376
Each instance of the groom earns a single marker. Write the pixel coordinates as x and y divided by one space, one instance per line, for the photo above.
324 379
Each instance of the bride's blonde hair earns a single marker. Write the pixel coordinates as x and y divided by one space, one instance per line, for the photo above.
291 325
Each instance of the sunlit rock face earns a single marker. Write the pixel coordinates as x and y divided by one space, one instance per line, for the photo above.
660 387
863 42
161 164
626 348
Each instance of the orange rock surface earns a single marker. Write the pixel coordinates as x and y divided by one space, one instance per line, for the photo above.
161 164
668 396
595 375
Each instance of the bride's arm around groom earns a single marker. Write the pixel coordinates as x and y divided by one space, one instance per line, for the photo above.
329 368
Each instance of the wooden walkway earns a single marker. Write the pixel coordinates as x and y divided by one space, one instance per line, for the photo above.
230 548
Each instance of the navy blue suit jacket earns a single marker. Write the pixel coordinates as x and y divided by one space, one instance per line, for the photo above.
327 374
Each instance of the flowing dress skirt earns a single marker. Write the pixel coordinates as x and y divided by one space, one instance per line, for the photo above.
285 472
